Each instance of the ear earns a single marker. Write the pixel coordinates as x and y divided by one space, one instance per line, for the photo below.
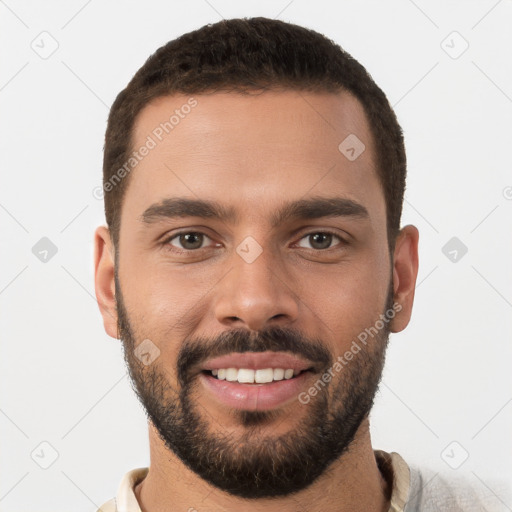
104 265
405 272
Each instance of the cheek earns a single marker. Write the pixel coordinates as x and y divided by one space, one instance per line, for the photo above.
164 307
160 294
349 299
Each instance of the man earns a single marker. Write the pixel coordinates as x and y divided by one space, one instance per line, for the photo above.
253 267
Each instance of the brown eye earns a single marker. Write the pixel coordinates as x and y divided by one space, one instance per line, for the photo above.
319 241
188 241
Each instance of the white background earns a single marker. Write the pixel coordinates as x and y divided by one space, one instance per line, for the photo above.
62 379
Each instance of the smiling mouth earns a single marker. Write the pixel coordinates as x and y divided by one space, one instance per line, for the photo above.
251 376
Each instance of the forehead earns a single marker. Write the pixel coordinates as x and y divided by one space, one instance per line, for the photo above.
254 151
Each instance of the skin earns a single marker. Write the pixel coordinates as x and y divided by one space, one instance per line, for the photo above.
254 153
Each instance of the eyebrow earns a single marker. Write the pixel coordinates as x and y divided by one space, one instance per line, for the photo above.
311 208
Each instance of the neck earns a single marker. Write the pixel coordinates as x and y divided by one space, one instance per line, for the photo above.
352 483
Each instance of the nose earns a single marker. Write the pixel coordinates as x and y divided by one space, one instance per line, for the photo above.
256 294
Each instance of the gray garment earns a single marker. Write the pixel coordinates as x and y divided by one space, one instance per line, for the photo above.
438 492
413 490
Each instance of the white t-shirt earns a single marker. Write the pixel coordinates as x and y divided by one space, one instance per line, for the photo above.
413 490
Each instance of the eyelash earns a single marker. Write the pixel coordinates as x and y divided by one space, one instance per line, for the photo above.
167 245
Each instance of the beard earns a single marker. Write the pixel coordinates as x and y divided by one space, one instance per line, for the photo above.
252 465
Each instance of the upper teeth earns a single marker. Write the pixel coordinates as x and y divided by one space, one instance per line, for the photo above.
248 376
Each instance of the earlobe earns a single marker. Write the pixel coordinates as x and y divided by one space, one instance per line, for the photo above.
104 268
405 272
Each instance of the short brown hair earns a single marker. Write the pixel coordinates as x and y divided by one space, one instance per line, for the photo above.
248 54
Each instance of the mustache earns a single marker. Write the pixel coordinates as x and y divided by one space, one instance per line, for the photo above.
194 352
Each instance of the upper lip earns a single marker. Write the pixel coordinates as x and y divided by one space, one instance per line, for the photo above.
259 360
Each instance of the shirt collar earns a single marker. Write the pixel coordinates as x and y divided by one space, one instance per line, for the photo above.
126 500
392 466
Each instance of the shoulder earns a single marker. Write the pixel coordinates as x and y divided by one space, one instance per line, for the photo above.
109 506
125 499
430 490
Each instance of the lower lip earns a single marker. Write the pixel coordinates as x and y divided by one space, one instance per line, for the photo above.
255 397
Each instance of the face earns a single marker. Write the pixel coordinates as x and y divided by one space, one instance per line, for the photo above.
252 260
